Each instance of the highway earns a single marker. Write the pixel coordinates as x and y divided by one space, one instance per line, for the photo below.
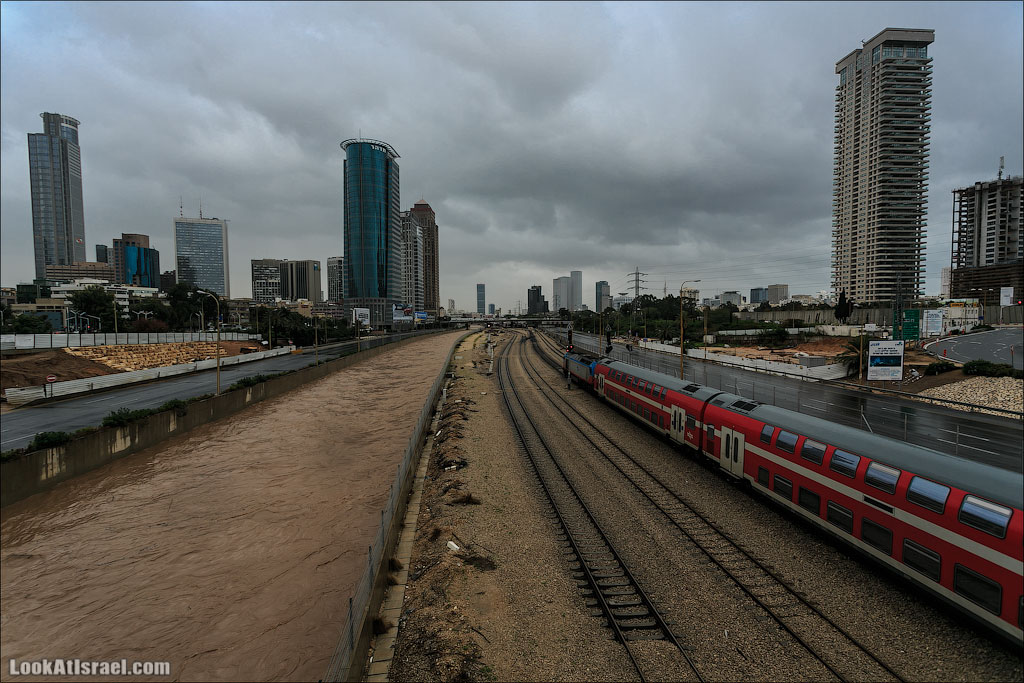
88 410
1005 345
980 437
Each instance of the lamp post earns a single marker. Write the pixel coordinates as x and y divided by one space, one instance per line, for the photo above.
681 350
216 300
316 341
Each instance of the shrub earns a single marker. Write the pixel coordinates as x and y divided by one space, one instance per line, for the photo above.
773 337
984 368
938 367
83 432
123 417
11 454
48 440
177 405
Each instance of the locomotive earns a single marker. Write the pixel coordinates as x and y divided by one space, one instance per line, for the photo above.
951 526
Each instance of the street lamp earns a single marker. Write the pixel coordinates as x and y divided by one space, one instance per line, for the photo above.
216 300
681 351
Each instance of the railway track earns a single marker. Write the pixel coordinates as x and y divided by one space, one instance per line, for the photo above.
609 588
838 651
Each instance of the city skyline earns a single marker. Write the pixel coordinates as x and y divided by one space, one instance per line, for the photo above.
566 160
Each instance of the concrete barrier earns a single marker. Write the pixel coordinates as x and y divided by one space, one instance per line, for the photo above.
42 470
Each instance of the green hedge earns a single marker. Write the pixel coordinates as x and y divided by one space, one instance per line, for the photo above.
984 368
939 367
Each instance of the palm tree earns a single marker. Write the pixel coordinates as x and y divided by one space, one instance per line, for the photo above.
854 355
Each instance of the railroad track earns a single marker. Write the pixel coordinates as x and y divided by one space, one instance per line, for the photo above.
610 590
814 630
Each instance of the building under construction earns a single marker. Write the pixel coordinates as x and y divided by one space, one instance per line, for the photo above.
988 252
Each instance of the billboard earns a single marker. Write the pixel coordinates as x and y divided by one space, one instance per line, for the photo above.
1006 296
885 360
400 313
421 315
933 322
362 316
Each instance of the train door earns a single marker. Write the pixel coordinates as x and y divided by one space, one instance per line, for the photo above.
678 424
731 451
600 384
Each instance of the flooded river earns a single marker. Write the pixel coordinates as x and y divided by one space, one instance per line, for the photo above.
229 552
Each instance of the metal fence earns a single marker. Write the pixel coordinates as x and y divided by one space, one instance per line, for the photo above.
10 342
341 660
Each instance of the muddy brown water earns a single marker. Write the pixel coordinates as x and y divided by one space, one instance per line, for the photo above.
229 552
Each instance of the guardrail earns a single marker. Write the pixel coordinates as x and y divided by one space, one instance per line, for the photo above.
21 395
355 630
13 342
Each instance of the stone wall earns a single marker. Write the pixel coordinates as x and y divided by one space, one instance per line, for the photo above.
144 356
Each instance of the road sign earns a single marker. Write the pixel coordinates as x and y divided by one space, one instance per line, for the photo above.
51 378
910 329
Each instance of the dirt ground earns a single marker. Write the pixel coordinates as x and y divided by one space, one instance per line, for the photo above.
31 369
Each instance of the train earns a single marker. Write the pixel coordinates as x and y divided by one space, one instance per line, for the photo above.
953 527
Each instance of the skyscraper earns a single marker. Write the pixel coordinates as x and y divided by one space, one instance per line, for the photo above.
373 229
141 266
102 253
55 177
266 280
126 240
427 219
201 253
335 273
301 280
988 244
561 293
480 299
535 302
413 258
603 296
880 181
576 290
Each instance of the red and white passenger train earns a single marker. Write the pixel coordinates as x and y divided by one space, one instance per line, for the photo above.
952 526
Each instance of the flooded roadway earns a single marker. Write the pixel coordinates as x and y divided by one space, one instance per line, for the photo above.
230 551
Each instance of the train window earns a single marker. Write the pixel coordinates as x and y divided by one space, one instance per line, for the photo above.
844 463
876 535
657 390
809 500
922 559
786 441
840 516
762 476
711 434
663 392
691 422
813 451
647 413
882 477
985 516
783 487
928 494
766 434
978 589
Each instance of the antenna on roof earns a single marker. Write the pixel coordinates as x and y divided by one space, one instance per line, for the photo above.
181 207
1002 165
200 206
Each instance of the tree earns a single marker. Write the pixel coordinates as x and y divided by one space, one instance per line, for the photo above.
763 306
854 355
844 308
28 323
149 325
96 301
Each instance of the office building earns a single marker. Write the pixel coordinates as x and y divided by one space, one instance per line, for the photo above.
201 254
427 220
55 178
168 279
988 249
102 253
480 299
690 293
451 306
117 253
602 296
373 229
758 294
777 293
535 302
141 266
880 178
266 280
412 260
335 278
84 269
301 280
731 298
576 290
490 309
561 294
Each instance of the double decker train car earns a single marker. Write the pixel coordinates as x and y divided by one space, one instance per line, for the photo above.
951 526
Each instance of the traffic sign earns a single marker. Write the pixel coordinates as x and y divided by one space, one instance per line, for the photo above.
51 378
910 329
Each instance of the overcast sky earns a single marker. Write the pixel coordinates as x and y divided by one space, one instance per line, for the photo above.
691 140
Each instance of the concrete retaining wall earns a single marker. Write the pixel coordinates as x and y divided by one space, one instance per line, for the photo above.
10 342
41 470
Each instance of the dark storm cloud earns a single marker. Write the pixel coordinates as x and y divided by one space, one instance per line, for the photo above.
691 140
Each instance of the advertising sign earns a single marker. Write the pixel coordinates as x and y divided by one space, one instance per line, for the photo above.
885 360
362 316
1006 296
421 315
400 313
933 322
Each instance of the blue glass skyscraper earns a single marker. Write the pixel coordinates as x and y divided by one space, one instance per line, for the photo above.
373 229
55 176
201 253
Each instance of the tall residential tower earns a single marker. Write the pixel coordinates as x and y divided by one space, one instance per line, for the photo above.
431 280
373 229
55 177
880 177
